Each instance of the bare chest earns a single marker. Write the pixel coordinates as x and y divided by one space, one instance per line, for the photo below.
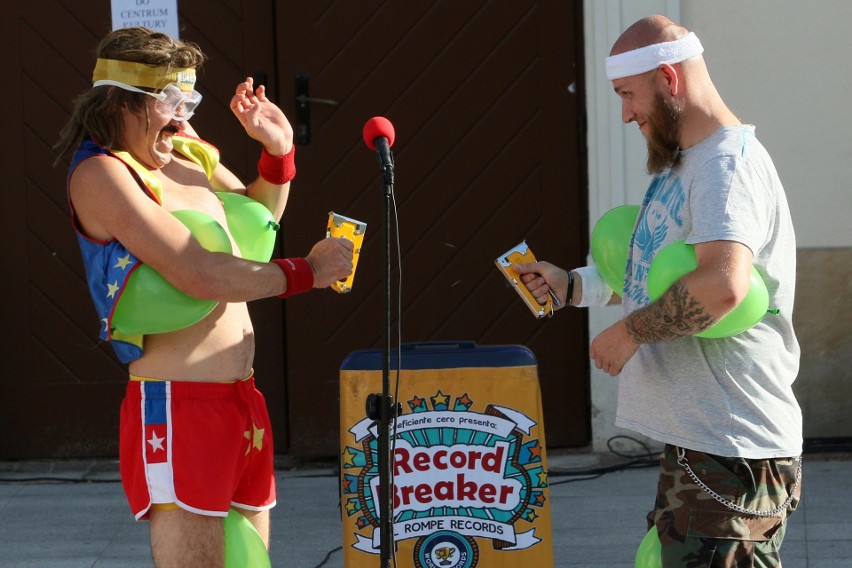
185 186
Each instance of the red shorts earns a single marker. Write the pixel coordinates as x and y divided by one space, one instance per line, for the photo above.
203 446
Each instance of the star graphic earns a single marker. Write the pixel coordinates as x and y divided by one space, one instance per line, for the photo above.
255 437
464 400
123 262
352 506
349 483
112 289
535 451
416 403
156 443
348 457
539 499
542 479
530 515
440 399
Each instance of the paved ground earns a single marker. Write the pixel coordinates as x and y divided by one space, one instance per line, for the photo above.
49 523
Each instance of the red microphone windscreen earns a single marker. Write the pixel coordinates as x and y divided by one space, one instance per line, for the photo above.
378 126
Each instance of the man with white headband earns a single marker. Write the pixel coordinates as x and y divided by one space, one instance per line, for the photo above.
723 407
195 435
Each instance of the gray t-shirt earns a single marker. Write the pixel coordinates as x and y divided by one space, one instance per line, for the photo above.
731 396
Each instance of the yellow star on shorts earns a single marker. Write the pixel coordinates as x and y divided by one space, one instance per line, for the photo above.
255 436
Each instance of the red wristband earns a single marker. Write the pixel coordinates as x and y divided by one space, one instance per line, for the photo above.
299 274
277 170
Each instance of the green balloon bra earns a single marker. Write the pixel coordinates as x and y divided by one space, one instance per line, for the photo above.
149 303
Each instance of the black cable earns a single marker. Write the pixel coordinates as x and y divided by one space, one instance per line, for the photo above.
564 481
648 453
811 446
314 475
637 461
600 471
827 445
395 397
328 556
55 480
650 458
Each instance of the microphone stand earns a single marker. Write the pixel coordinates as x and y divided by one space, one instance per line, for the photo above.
384 402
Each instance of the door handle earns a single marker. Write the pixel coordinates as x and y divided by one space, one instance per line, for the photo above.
303 108
303 99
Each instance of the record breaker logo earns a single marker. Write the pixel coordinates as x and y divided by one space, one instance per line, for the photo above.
459 476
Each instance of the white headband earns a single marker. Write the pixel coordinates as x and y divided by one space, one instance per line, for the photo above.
650 57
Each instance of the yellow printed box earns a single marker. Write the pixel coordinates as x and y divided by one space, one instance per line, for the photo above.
469 468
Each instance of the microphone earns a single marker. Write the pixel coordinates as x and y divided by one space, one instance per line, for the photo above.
379 136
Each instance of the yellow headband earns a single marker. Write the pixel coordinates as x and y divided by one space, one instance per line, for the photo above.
142 75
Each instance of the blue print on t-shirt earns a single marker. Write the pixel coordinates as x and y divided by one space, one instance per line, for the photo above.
662 207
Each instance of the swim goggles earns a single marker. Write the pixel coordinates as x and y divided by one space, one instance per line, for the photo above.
171 100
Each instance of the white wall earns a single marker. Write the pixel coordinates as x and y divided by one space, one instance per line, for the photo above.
782 65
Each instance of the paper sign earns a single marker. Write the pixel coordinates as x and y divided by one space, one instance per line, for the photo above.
158 15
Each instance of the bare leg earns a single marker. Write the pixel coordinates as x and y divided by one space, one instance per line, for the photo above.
260 520
180 539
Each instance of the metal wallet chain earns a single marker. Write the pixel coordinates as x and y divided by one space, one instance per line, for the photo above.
682 461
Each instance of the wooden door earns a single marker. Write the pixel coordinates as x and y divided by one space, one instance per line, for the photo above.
485 100
61 389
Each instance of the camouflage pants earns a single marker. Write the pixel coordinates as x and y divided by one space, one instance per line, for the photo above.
697 531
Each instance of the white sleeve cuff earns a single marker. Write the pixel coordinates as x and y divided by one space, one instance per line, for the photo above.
596 292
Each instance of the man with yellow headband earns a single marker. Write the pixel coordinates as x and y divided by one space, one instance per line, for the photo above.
195 434
723 407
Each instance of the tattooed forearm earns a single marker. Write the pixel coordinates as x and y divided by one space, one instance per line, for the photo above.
675 314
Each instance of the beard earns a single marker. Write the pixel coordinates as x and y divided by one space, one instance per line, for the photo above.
663 135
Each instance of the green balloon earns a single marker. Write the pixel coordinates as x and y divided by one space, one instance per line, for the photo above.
150 304
251 224
611 242
206 230
649 554
678 259
747 313
243 546
671 264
